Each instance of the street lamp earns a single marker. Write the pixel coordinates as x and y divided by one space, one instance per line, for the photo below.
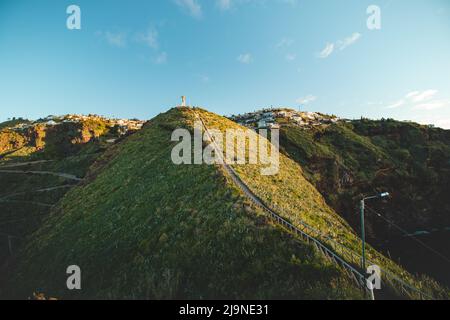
363 234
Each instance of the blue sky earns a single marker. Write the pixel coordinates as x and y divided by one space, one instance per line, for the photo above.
135 58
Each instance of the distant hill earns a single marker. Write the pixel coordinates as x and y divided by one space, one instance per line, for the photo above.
66 145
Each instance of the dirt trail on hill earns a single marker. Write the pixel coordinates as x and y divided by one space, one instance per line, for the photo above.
23 164
58 174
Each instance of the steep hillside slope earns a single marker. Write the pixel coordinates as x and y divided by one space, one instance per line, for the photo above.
295 198
348 160
39 162
141 227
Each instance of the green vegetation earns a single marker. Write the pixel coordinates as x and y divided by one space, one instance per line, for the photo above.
297 200
13 122
26 199
141 227
347 160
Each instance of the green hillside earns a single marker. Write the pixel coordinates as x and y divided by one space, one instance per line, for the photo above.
347 160
296 199
142 227
26 198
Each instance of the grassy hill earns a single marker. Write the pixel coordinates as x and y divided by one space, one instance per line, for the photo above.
292 195
141 227
25 147
347 160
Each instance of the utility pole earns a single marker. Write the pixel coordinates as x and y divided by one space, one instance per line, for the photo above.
363 237
363 233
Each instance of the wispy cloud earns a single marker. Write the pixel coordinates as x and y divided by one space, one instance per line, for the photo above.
192 7
284 43
290 56
161 58
432 105
115 39
245 58
325 53
417 96
421 100
396 104
224 4
306 100
339 45
149 38
343 44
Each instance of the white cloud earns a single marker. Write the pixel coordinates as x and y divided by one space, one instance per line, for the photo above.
412 94
325 53
432 105
224 4
161 58
118 39
291 56
417 96
150 38
306 100
342 44
285 42
396 104
193 7
421 100
245 58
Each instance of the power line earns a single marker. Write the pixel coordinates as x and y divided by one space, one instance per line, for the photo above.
409 235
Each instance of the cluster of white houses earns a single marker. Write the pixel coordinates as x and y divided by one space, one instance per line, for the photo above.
123 125
276 117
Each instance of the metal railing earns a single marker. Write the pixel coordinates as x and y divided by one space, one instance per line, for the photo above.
347 259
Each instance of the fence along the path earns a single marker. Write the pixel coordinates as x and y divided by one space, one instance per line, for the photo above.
348 255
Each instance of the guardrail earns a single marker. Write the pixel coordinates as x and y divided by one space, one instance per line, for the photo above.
348 256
